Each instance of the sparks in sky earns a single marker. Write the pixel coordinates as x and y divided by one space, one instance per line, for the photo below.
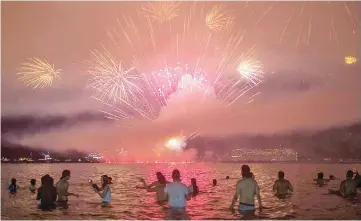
115 85
38 73
161 11
168 80
301 21
158 53
251 71
178 143
350 60
218 18
112 82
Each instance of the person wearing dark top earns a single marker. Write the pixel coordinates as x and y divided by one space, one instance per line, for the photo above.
32 186
193 188
214 182
13 188
357 178
47 193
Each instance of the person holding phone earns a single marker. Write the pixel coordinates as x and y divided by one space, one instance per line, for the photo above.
104 192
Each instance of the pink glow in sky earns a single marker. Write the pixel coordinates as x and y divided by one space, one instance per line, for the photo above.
305 87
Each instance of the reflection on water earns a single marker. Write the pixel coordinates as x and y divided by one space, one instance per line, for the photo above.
307 202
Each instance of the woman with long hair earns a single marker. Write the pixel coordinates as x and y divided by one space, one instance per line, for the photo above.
47 193
104 191
193 188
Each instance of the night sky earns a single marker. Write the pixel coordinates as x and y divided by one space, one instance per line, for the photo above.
306 86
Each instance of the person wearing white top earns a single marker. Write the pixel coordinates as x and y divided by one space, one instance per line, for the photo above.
177 192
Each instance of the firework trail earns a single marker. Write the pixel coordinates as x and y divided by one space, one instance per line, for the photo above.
301 21
38 73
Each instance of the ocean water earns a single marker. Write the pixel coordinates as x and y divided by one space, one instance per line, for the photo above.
307 202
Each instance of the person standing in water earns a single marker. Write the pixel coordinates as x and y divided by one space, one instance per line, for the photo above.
320 181
13 187
157 187
47 193
282 186
62 188
347 187
104 192
32 186
177 192
193 188
246 189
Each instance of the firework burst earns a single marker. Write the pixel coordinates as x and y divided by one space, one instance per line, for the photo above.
251 71
168 80
117 86
161 11
38 73
350 60
179 142
218 18
112 82
157 51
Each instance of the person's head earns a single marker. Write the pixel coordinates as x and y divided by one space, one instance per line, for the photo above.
214 182
65 175
33 182
349 174
194 182
47 180
227 177
176 175
246 171
13 181
332 177
104 180
161 179
110 179
281 175
320 175
44 179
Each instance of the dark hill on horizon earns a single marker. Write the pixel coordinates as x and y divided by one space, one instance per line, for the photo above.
340 142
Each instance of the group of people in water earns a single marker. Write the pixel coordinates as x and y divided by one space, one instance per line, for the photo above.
50 196
176 193
348 187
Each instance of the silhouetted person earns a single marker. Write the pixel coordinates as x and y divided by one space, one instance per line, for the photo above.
47 193
282 186
13 187
193 188
32 186
214 182
320 181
